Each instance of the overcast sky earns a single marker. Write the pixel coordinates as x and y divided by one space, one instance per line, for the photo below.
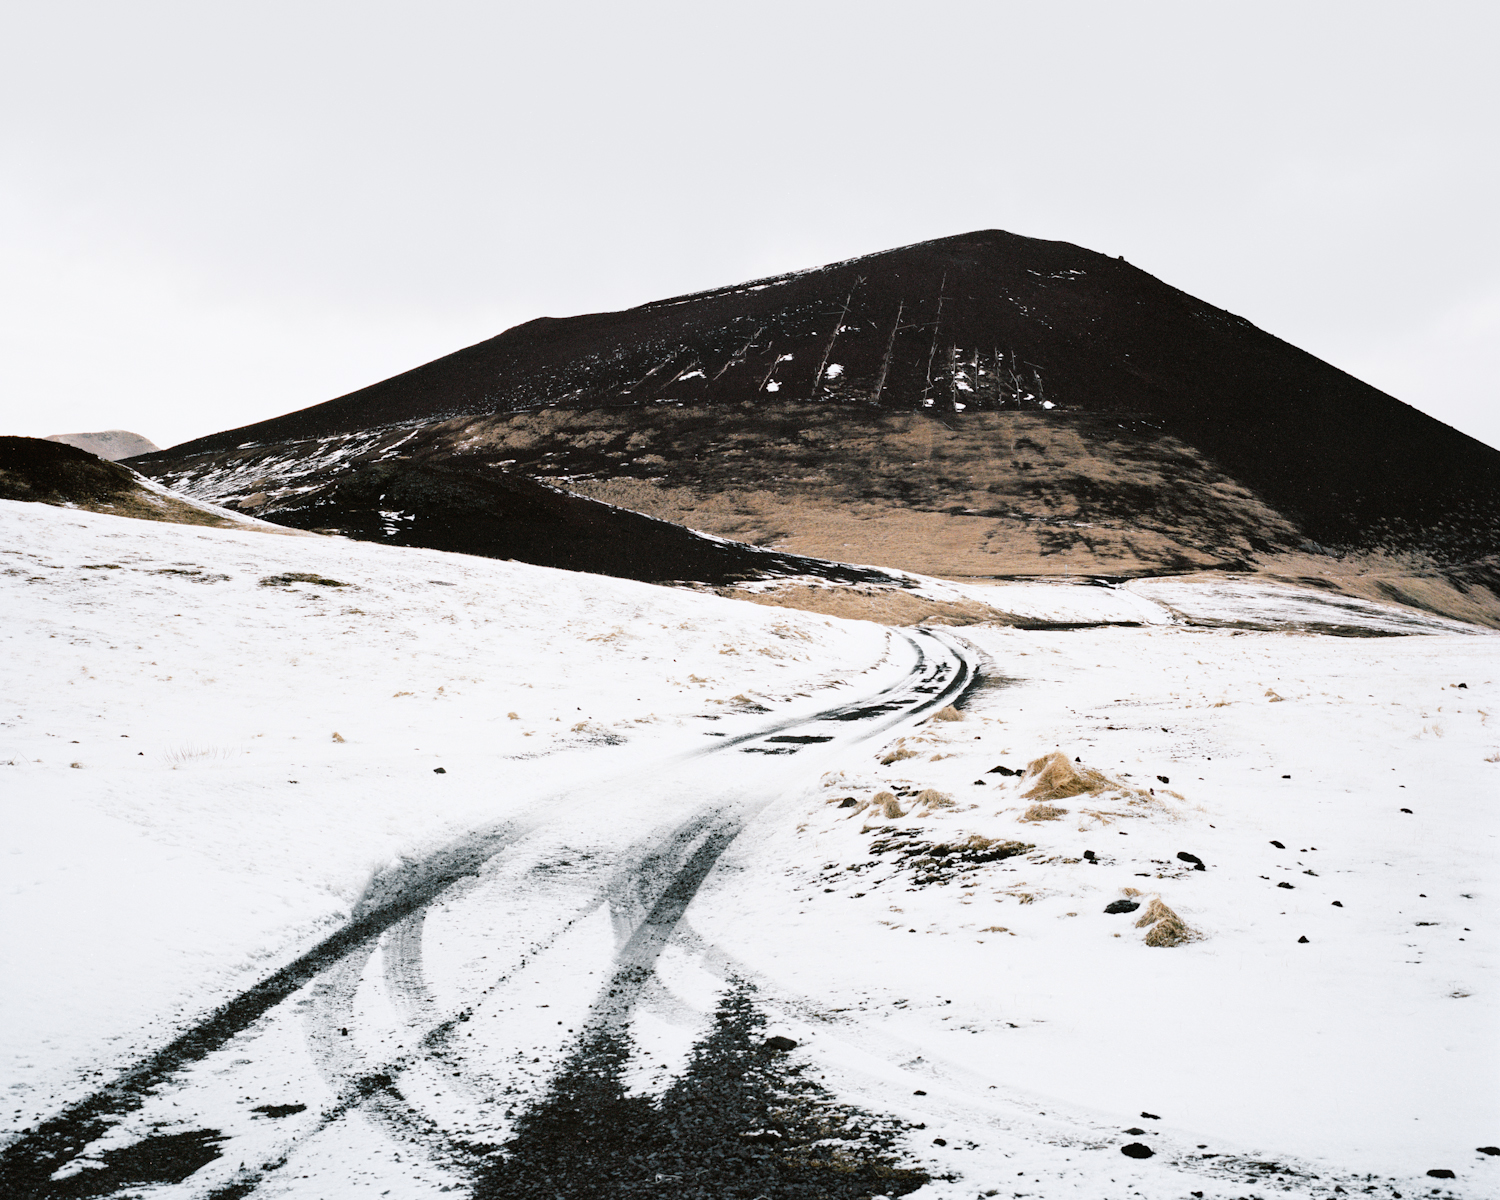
212 213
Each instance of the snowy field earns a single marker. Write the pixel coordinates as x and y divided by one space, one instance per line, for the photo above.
213 741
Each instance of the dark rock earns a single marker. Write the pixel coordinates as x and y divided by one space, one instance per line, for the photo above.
1301 940
1488 1149
1406 810
919 1092
1285 884
848 802
777 1042
1163 779
1136 1150
279 1110
979 783
1338 904
1442 1173
1277 844
439 770
1121 906
1151 1116
1286 776
1134 1131
1462 685
1089 854
939 1141
1002 771
1198 864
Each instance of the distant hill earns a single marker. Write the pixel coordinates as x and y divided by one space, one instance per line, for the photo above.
109 444
45 471
979 406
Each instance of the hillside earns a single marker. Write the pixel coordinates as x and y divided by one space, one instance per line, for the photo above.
980 406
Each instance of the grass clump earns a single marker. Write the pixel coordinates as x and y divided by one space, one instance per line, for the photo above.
1167 928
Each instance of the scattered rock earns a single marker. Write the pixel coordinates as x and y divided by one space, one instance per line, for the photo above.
777 1042
979 783
1338 904
939 1141
1302 941
1090 855
1197 862
1406 810
1285 884
439 770
1003 771
279 1110
919 1092
1163 779
1137 1150
1277 844
1442 1173
1134 1131
292 577
1121 906
1151 1116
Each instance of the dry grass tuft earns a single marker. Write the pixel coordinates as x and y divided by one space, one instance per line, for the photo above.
948 714
885 804
1167 928
338 737
1056 779
932 798
1043 812
896 755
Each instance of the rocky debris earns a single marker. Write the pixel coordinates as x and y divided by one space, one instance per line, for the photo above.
1285 884
292 577
939 862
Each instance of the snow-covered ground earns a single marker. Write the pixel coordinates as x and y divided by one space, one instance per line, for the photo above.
181 821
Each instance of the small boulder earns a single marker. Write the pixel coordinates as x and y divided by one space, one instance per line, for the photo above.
1137 1150
1134 1131
1198 864
1277 844
1442 1173
439 770
1163 779
777 1042
1121 906
1302 941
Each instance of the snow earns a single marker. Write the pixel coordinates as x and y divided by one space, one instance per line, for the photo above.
213 829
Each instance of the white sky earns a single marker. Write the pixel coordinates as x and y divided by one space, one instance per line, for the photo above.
214 213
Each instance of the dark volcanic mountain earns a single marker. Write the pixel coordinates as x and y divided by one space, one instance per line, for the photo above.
979 406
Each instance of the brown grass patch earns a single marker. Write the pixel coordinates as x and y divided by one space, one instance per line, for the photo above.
948 714
1043 812
1167 928
932 798
885 804
1056 778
